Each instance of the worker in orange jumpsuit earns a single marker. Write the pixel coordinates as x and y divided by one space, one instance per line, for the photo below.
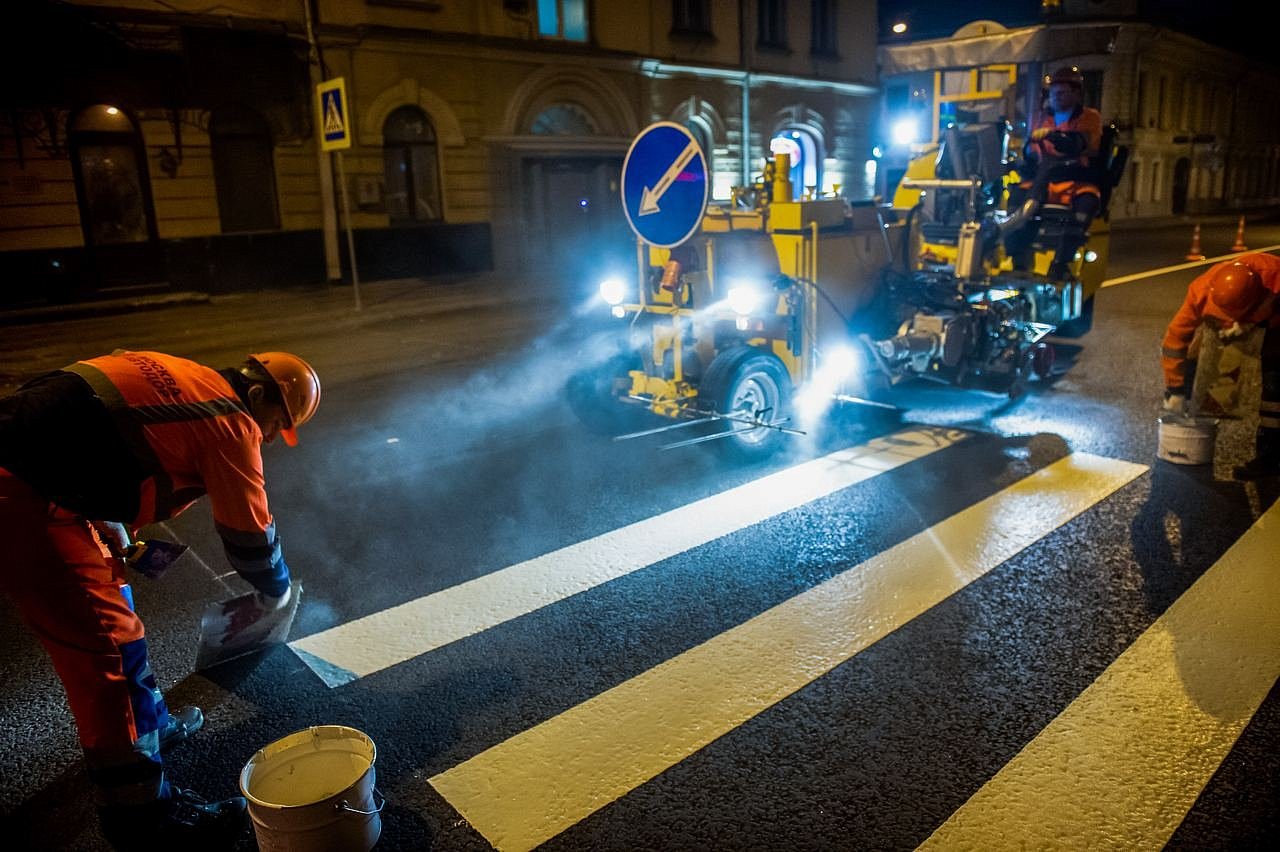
1227 298
88 455
1069 182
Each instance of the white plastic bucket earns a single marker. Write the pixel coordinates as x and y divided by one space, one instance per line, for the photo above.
313 791
1187 440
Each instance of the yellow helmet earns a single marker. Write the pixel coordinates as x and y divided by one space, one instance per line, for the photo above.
1235 289
299 388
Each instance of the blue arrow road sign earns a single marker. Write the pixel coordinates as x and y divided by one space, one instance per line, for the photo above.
664 184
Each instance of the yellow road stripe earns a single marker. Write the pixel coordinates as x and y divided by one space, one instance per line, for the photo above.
1123 763
349 651
1151 273
540 782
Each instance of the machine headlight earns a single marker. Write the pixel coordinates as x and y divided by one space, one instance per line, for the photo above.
840 362
905 131
613 291
1090 256
744 298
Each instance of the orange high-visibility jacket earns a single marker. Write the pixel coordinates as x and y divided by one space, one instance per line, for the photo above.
187 426
1197 309
1086 121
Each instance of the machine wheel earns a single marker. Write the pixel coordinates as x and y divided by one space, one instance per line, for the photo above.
747 382
1079 326
593 395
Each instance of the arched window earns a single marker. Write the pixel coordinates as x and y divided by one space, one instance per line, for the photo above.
244 172
562 120
807 153
412 168
110 177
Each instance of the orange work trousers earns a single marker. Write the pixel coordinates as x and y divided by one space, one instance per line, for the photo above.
71 593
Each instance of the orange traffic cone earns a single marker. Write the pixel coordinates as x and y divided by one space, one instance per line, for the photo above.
1194 252
1239 244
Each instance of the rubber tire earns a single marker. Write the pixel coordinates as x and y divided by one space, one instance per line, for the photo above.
724 378
1079 326
593 395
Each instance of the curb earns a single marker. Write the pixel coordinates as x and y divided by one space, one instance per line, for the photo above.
103 307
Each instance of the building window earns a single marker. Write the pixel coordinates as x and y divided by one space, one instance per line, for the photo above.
823 38
109 169
244 174
772 31
411 166
690 17
566 19
562 120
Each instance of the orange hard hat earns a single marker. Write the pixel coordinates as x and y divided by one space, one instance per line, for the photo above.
1235 289
299 387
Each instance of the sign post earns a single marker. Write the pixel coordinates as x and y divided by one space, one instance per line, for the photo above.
335 135
664 184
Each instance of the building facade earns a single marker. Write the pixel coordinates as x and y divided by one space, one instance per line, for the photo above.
173 145
1201 122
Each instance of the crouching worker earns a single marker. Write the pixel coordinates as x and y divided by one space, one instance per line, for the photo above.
1229 297
88 455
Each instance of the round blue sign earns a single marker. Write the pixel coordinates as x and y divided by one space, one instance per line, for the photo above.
664 185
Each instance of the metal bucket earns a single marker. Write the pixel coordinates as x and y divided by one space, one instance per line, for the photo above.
313 791
1187 440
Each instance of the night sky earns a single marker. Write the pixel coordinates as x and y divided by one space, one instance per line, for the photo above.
1234 24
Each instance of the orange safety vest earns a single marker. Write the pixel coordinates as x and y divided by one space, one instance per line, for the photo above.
1196 310
1084 120
184 422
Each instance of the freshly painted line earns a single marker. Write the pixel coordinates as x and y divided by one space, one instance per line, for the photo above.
1151 273
526 790
1122 765
375 642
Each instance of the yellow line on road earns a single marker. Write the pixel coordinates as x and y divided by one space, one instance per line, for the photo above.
1151 273
528 789
1123 763
383 639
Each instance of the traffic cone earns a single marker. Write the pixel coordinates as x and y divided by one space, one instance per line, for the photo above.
1194 252
1239 244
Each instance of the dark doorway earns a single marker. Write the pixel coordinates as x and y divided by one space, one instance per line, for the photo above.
576 227
114 192
1181 184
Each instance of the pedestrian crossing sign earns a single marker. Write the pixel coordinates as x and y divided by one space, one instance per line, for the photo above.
335 122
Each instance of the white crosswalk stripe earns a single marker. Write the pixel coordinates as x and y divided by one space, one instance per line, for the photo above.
533 786
373 643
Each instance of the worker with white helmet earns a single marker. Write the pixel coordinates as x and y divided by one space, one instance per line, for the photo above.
88 455
1228 296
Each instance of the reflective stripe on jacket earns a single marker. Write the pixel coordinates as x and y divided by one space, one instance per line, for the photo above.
186 424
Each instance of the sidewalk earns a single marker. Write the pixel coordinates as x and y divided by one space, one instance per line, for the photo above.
447 289
424 292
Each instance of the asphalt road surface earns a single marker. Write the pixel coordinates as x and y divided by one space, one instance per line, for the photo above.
994 624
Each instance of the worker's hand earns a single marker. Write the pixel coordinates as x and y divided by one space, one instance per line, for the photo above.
1039 133
269 604
1235 331
113 535
1175 402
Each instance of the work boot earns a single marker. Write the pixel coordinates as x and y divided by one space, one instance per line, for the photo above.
183 821
1260 467
182 723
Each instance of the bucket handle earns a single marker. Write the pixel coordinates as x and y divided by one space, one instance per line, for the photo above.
343 806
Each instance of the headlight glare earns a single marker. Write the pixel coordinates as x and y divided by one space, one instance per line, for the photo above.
613 291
